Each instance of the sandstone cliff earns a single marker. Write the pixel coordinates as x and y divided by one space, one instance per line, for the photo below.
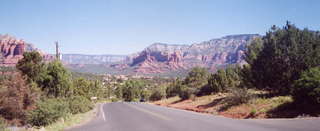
212 54
12 49
161 58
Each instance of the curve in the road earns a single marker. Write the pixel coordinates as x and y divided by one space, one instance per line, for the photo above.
121 116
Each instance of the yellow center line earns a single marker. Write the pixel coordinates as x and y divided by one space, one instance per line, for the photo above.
149 112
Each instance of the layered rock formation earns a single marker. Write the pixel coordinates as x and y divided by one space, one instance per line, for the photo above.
157 58
168 58
212 54
157 62
11 50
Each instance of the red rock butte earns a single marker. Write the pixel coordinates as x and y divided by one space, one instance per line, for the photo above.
12 49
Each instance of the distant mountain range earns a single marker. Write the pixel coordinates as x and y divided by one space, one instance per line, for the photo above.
161 58
156 59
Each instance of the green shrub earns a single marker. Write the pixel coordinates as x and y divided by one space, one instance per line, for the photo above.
145 95
48 111
131 90
253 112
221 81
157 95
57 81
16 98
239 96
197 77
206 90
307 88
87 88
187 92
174 88
79 104
114 99
31 65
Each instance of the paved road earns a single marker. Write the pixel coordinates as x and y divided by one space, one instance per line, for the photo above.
122 116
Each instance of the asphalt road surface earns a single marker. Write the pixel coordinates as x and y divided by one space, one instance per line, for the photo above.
121 116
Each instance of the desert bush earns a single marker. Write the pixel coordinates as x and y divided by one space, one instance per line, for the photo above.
174 88
239 96
205 90
157 94
79 104
307 88
32 66
87 88
218 81
193 97
196 78
48 111
16 97
145 94
131 90
114 99
221 81
186 93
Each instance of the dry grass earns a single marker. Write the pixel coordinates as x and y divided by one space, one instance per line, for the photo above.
168 101
258 107
71 121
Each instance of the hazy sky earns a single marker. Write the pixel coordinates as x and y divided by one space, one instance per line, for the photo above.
128 26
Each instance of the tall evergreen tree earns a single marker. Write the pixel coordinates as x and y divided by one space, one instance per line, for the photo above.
57 82
32 66
284 54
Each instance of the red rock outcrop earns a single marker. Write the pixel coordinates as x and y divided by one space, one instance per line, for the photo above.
175 60
151 62
11 50
213 54
172 58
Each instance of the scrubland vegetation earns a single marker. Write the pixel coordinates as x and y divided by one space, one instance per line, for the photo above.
280 79
39 93
283 66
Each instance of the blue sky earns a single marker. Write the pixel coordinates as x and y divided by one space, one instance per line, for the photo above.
128 26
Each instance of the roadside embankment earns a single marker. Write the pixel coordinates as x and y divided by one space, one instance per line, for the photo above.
70 121
256 108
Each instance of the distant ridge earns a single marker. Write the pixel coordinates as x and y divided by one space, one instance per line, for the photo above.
162 58
92 59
